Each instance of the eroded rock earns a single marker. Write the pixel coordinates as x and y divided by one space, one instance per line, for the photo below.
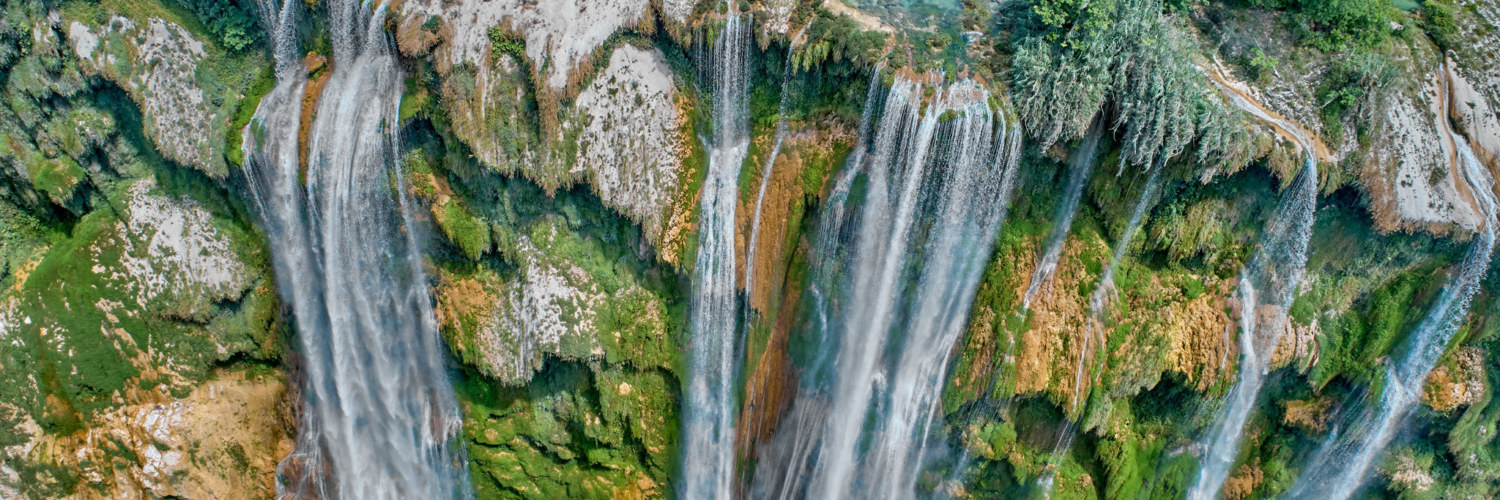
156 62
629 148
223 440
550 307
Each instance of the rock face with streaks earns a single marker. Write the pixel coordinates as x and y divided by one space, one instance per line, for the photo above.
222 440
560 37
629 149
121 328
1412 182
171 253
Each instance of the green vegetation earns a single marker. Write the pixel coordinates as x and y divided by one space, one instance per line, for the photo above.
833 39
463 228
98 310
571 433
244 112
503 41
1077 59
1337 25
1355 89
232 22
1437 20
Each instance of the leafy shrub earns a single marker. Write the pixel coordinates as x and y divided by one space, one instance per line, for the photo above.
1437 20
838 39
1336 25
505 42
1355 89
1260 66
232 22
461 227
1086 56
1344 24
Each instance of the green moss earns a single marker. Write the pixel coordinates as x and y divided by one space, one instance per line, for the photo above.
471 234
572 433
244 111
56 177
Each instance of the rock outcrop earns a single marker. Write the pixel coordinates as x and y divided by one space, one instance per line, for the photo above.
621 129
222 440
157 62
560 37
629 149
550 307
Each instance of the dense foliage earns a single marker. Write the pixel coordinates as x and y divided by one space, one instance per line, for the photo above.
1125 62
1334 25
232 22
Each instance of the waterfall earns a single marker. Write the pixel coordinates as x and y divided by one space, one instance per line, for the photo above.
1338 469
901 272
709 409
1083 164
765 176
1098 301
1267 286
785 461
378 419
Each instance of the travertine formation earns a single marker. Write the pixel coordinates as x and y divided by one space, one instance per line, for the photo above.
1413 179
221 441
549 307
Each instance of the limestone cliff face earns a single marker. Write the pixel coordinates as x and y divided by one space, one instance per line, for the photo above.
158 62
806 160
1406 165
1052 348
114 334
1162 323
611 113
1413 179
1459 382
629 148
1476 78
560 37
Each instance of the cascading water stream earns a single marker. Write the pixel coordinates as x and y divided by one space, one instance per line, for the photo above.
1083 165
379 419
1339 468
933 191
709 409
784 463
1267 286
765 176
1098 302
954 258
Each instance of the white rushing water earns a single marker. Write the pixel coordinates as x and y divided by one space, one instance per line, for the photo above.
936 182
709 410
1266 288
1082 165
379 419
1342 464
784 462
1267 285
